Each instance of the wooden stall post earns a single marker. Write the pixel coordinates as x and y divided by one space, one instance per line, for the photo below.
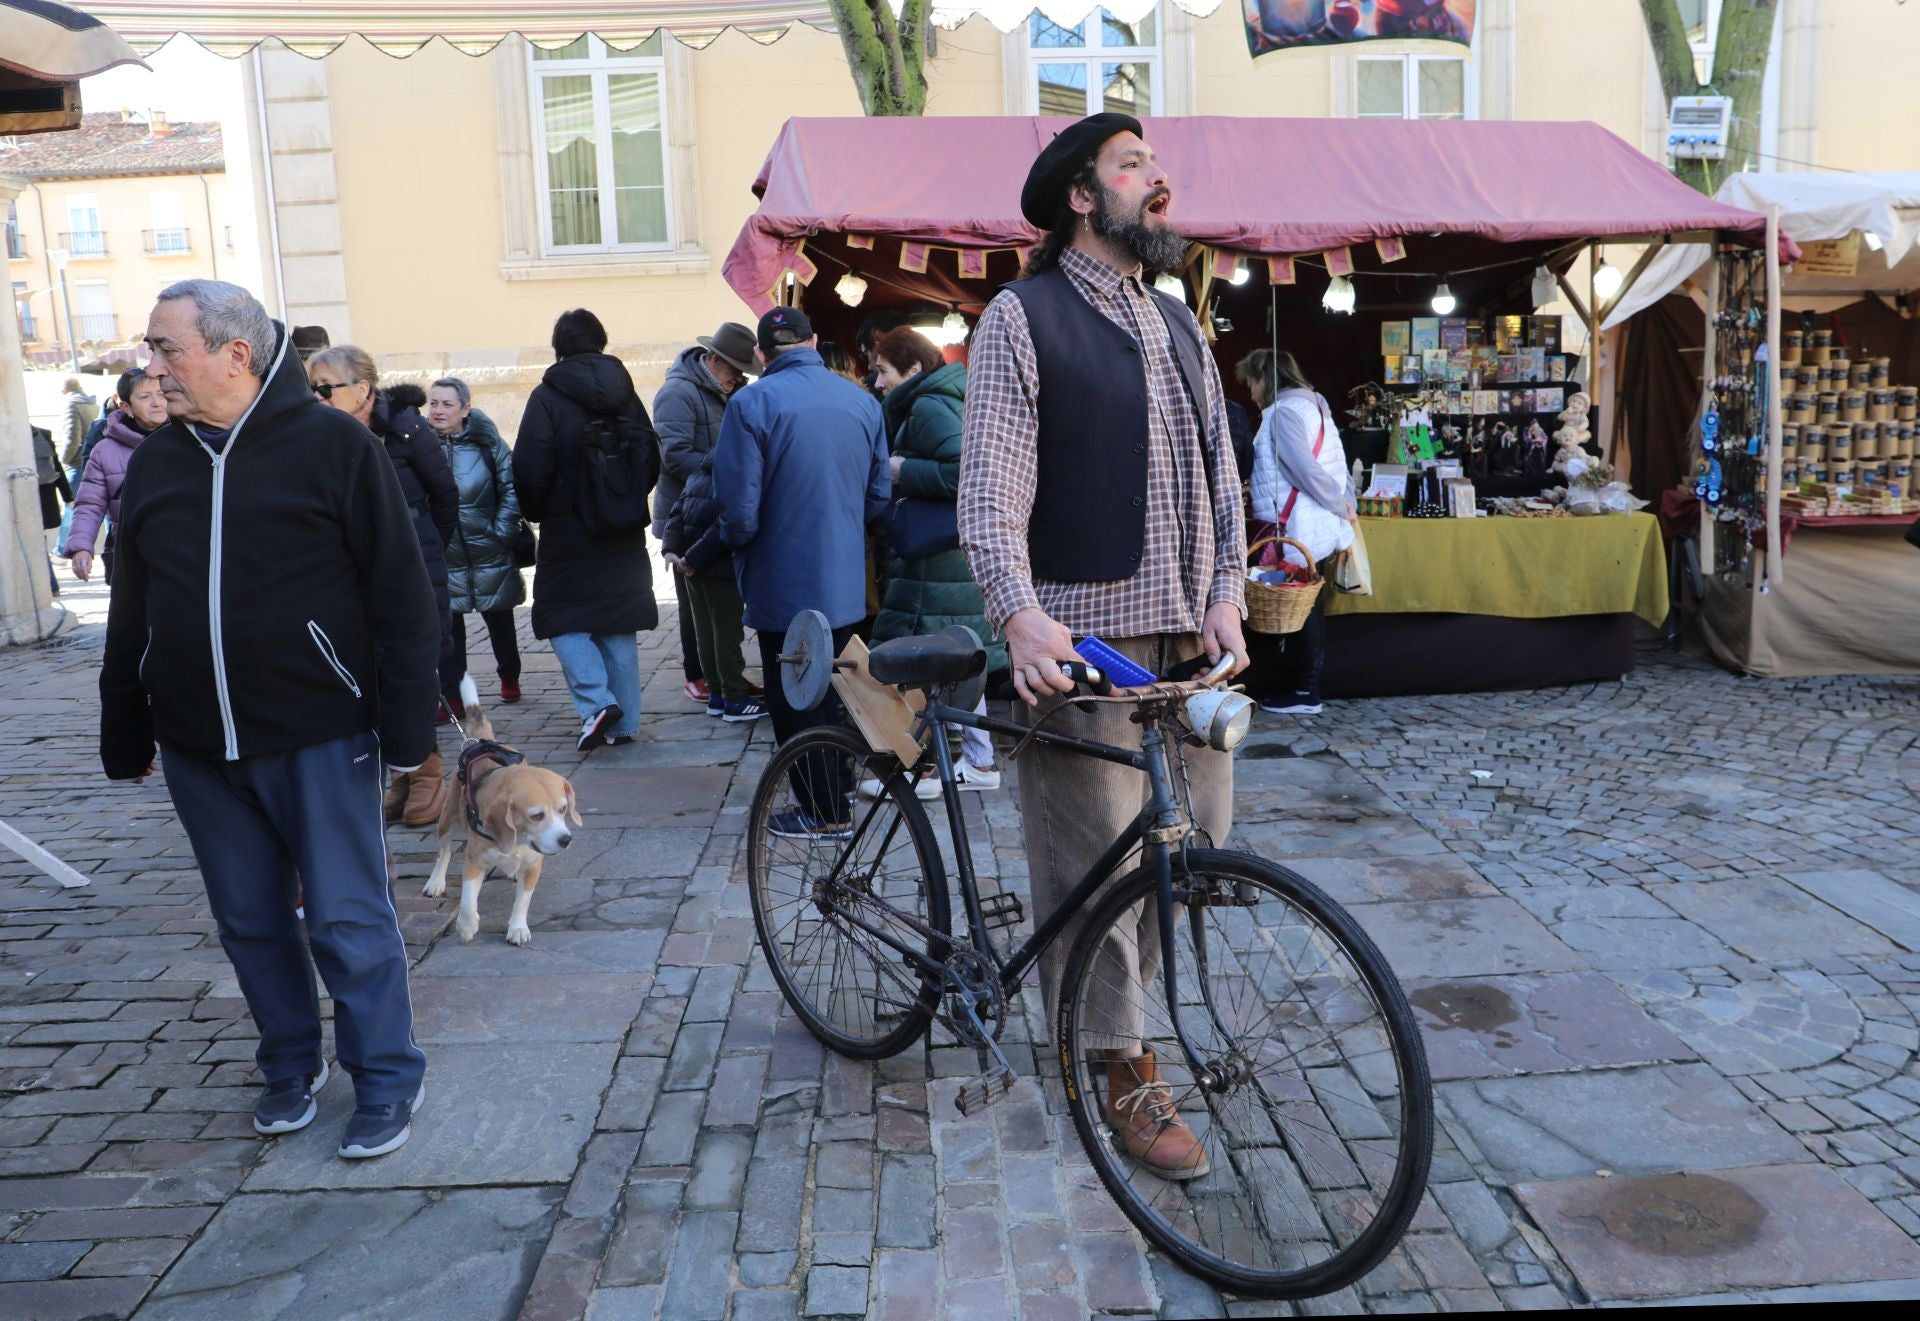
1775 571
1707 360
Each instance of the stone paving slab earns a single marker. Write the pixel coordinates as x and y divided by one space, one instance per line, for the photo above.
1622 926
1376 880
1868 897
550 954
1766 918
465 1253
662 796
1463 938
1629 1121
1765 1228
494 1114
1490 1027
1758 1025
478 1010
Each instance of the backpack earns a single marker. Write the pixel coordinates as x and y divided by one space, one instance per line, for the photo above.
619 460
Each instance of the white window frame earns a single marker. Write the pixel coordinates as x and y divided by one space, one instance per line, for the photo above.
598 65
1095 56
1410 83
1703 49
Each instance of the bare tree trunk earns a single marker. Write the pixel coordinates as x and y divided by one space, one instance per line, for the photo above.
887 57
1741 47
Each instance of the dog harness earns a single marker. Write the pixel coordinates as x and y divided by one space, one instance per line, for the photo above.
480 758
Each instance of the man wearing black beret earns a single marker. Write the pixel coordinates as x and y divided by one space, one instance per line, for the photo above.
1099 496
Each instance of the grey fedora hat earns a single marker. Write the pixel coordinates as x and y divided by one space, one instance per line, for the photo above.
734 343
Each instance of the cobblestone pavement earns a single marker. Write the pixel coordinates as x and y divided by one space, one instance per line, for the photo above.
1661 935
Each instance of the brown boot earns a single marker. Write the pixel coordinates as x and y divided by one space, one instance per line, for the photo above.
395 799
1141 1109
426 793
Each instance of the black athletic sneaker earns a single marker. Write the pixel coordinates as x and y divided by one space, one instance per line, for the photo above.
593 730
288 1107
375 1130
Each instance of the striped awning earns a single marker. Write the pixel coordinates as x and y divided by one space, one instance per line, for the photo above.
1010 14
401 27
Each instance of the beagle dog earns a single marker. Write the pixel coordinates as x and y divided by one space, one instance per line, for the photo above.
516 816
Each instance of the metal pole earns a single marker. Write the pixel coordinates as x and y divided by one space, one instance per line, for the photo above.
73 334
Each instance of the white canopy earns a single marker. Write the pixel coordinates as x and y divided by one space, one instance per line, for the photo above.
1813 207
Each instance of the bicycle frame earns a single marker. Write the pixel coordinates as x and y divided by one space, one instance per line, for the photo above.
1158 826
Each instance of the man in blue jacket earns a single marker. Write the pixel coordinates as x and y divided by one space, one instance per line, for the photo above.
799 470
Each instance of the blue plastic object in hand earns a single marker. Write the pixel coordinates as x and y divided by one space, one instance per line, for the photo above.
1120 671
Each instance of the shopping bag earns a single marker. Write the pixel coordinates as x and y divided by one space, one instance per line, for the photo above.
1351 571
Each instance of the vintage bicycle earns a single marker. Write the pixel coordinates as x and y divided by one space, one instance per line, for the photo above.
1283 1040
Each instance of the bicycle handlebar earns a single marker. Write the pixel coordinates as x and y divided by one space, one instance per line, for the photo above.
1089 676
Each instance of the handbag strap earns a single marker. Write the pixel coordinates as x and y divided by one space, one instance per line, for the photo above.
1294 494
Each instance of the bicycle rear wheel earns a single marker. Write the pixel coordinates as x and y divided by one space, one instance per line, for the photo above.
833 879
1318 1140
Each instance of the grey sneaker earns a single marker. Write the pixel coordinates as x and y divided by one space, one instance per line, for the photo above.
288 1107
375 1130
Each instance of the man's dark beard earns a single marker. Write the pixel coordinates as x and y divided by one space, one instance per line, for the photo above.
1158 250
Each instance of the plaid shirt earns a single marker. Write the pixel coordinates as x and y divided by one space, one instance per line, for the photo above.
1175 583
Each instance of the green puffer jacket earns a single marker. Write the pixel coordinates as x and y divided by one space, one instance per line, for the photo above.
926 595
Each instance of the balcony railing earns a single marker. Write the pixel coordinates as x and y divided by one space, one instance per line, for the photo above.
29 330
85 244
16 245
97 325
166 242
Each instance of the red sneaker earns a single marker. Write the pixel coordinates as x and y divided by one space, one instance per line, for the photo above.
696 691
509 690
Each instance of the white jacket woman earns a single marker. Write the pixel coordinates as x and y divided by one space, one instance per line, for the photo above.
1285 466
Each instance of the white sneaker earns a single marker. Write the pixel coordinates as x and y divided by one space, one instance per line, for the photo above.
926 789
969 776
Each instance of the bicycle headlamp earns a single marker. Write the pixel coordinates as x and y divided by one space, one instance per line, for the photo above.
1221 718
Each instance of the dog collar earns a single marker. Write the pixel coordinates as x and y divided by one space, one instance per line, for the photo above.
480 758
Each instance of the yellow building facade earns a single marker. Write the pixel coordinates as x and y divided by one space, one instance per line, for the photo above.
440 210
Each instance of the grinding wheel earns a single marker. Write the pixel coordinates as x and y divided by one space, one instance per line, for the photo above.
806 660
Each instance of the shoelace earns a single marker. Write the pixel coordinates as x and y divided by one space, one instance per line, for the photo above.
1152 1099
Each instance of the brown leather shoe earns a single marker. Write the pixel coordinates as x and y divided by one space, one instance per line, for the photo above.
394 801
1141 1110
426 793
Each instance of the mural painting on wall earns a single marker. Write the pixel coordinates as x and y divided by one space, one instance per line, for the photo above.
1284 24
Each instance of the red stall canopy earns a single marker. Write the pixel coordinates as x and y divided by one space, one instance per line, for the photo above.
1458 192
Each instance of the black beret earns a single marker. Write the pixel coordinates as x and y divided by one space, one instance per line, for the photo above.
1062 158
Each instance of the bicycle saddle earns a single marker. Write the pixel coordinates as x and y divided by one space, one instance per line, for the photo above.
948 656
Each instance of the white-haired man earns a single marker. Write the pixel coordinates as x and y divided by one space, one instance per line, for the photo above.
273 636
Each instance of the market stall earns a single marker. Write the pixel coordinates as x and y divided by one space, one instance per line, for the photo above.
1803 566
1405 264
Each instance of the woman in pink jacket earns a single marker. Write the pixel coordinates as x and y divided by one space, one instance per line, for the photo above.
98 498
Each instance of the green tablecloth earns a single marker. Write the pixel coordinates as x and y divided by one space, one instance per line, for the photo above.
1520 568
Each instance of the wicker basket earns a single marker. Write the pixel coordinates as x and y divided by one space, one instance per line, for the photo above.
1281 608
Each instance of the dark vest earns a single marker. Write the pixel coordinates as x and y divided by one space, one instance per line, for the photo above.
1089 519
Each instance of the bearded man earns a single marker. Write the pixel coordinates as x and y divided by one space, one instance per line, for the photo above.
1099 496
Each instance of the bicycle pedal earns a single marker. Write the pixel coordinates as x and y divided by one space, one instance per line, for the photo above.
1000 911
983 1091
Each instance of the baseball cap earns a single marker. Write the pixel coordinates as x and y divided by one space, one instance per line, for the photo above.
782 328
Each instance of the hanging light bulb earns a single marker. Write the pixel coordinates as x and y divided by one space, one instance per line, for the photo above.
1545 288
1607 280
1240 274
1443 300
955 325
1339 296
1872 239
1169 284
851 288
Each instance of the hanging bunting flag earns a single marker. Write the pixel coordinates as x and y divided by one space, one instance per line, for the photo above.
802 265
1224 265
861 241
1280 270
1275 26
913 257
1390 249
973 263
1339 261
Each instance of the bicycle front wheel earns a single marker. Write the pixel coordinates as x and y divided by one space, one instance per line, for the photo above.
1308 1152
844 884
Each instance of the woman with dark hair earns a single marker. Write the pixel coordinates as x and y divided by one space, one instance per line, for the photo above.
104 471
591 593
1302 490
344 377
481 575
924 401
836 360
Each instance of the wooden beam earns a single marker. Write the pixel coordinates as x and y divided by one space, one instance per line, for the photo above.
1634 272
1776 562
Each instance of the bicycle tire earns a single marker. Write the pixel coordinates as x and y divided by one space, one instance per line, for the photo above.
1296 1120
839 1025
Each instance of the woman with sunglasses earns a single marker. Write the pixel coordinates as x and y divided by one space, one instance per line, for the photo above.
344 377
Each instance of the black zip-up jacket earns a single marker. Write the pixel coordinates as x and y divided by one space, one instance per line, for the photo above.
268 592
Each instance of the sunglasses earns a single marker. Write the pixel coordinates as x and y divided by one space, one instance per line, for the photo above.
326 391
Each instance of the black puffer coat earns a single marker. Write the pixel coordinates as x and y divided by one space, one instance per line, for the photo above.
426 480
480 568
581 583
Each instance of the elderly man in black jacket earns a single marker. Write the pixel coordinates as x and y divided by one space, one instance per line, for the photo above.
273 633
